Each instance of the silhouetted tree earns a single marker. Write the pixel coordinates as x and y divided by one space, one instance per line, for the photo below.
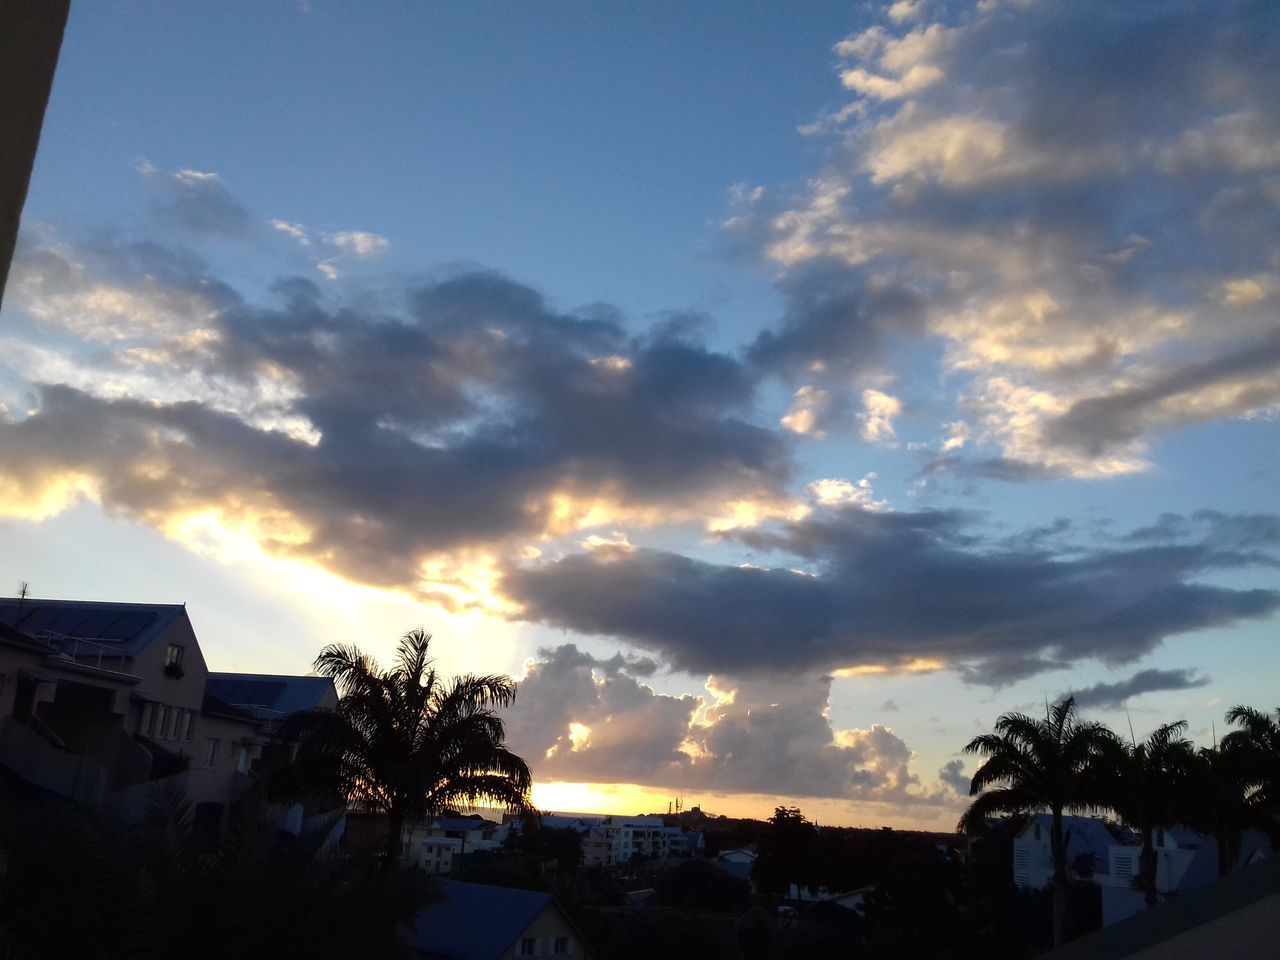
1148 786
1257 747
1036 765
405 742
699 885
79 886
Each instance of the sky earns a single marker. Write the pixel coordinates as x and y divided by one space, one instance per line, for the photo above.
780 393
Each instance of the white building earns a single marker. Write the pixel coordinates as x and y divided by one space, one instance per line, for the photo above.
1185 860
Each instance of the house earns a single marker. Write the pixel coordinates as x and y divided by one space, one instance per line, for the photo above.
1112 859
435 846
1185 860
1088 843
474 921
98 701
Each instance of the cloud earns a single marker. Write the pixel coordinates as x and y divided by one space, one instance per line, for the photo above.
878 412
861 589
359 243
581 718
1074 201
462 416
196 201
1107 696
951 774
295 230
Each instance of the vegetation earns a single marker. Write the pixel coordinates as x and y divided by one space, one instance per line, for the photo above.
405 742
76 885
1036 765
1062 764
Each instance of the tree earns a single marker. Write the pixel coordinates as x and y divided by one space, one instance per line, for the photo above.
405 742
1220 799
1035 765
1257 748
1149 788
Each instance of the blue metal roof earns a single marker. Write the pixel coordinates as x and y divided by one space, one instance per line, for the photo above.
474 921
269 695
127 627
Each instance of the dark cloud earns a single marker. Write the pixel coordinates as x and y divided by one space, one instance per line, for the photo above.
1094 425
368 439
838 321
890 588
581 718
951 774
1107 696
197 202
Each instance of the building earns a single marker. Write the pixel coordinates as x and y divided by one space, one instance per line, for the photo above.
473 921
99 701
1088 841
436 846
1112 859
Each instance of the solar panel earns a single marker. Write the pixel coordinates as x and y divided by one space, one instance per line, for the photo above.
129 624
68 621
96 623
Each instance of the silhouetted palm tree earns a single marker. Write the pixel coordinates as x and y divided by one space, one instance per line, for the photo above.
1219 798
1036 765
1257 744
406 742
1149 784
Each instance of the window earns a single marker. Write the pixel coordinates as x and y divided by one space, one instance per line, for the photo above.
528 947
242 760
191 726
162 725
147 724
173 655
561 946
213 752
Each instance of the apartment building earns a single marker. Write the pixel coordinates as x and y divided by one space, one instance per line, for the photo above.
98 701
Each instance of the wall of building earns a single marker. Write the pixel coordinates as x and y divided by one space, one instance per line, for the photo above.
546 927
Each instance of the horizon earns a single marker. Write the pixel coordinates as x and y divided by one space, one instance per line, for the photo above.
779 398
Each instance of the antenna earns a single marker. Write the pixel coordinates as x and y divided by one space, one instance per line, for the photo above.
1213 730
1130 719
23 589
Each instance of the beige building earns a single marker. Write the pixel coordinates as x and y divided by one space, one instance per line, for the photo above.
99 701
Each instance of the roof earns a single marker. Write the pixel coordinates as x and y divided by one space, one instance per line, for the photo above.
267 696
465 824
126 627
474 921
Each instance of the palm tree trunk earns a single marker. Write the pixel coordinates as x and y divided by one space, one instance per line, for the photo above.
1059 879
395 840
1148 867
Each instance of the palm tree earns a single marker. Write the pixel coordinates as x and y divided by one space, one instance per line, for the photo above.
405 742
1258 746
1149 788
1036 765
1220 799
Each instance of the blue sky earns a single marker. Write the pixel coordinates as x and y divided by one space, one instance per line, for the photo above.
782 392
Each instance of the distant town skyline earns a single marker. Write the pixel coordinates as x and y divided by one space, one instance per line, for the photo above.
779 395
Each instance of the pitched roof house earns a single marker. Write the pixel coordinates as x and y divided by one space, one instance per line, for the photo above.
474 921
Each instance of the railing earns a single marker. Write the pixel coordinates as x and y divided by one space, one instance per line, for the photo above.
79 649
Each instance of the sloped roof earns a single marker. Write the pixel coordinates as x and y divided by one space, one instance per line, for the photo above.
464 824
474 921
268 696
125 627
